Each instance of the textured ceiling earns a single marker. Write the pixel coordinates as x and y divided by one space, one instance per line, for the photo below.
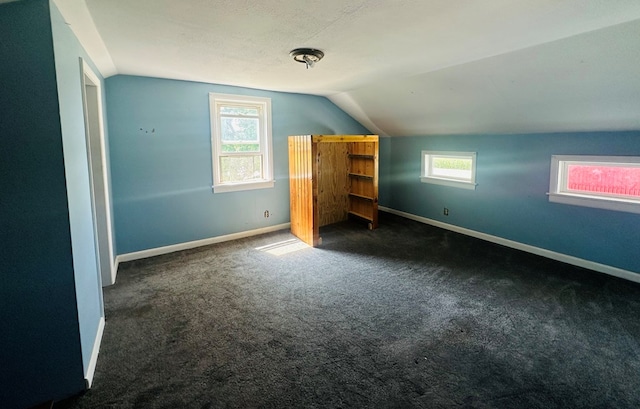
399 67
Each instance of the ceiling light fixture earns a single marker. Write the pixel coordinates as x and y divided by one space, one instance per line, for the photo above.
308 56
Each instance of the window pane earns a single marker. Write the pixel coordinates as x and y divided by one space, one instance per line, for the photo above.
239 130
604 180
459 168
238 110
240 168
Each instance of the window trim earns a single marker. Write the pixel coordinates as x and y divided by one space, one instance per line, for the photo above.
426 177
266 144
558 191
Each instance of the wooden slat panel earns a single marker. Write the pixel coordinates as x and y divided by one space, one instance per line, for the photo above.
315 209
333 182
294 186
300 187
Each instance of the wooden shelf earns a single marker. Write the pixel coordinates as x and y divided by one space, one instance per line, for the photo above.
361 196
352 155
360 175
362 216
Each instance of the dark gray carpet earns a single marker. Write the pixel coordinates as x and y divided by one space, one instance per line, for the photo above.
406 316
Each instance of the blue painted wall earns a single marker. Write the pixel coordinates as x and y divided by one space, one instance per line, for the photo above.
160 145
510 200
40 352
68 51
384 171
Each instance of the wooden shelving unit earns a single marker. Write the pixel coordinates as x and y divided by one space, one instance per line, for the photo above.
332 177
363 186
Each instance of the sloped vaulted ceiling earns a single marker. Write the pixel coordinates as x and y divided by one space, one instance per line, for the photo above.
400 67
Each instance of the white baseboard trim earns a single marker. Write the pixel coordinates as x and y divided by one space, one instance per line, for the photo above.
114 272
591 265
116 264
197 243
91 369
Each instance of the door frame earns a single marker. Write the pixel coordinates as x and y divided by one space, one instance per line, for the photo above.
98 173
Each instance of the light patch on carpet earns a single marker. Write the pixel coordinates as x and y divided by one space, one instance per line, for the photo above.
283 247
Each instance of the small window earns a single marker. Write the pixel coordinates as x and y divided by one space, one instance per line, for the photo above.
605 182
456 169
241 142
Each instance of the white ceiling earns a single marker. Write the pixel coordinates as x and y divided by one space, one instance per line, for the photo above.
411 67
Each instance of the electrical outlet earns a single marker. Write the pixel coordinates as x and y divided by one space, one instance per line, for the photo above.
266 214
446 211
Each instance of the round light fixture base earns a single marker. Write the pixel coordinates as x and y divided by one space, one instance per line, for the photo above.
308 56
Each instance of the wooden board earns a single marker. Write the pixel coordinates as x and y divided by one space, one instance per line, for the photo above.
344 138
301 188
333 182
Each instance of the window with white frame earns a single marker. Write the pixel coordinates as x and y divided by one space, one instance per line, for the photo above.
605 182
457 169
241 142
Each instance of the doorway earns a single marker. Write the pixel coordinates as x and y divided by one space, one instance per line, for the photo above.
98 175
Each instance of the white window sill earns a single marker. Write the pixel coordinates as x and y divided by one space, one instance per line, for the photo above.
236 187
449 182
620 205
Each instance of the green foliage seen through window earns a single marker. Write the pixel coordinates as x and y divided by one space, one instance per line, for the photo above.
452 163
